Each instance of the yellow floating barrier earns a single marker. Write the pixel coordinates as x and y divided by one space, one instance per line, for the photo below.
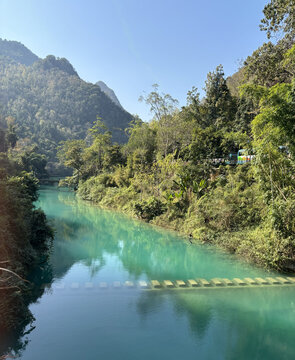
192 283
216 282
228 282
261 281
272 281
155 284
204 282
239 282
168 283
180 283
283 280
250 281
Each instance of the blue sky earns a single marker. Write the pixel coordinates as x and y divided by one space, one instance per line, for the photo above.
132 44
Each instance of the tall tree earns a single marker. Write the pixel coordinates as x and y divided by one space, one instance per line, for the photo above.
219 104
279 15
162 106
265 67
70 154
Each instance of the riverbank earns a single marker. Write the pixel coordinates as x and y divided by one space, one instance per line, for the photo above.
193 170
221 217
24 235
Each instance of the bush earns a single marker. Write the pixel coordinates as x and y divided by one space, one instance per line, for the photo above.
147 210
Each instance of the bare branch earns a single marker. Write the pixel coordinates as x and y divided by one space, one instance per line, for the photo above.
12 272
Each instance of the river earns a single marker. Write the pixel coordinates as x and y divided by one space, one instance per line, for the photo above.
84 313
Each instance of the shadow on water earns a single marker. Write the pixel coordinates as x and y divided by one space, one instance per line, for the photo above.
13 341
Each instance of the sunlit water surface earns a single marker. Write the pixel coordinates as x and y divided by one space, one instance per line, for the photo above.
77 321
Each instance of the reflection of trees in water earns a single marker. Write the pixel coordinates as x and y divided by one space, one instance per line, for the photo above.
15 305
247 323
197 309
193 305
141 248
86 234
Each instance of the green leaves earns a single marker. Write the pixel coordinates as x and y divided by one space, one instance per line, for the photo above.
279 15
147 210
161 105
70 153
187 183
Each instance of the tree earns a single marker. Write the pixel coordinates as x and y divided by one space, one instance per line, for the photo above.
265 67
70 154
3 144
219 105
279 15
141 137
94 155
11 137
163 107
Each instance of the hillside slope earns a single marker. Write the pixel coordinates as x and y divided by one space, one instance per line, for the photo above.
51 103
109 92
17 52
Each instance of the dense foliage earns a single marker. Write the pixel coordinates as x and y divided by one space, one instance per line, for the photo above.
24 234
176 171
50 103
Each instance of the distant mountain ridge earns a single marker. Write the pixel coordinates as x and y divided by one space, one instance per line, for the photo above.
17 52
109 92
51 62
50 102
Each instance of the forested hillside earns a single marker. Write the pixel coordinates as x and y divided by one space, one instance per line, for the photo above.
50 103
178 170
14 50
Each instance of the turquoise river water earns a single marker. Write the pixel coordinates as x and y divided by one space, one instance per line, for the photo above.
81 315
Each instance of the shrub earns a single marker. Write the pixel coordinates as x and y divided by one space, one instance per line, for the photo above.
147 210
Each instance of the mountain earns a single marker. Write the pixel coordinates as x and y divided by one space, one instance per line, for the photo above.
50 102
16 51
109 92
51 62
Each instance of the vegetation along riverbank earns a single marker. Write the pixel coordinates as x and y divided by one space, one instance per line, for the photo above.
183 170
24 237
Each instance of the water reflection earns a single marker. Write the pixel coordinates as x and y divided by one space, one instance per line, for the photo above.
249 323
88 234
21 321
97 245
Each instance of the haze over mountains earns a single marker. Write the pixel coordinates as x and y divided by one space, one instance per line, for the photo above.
109 92
50 102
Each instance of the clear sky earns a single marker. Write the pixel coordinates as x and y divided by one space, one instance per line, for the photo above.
132 44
